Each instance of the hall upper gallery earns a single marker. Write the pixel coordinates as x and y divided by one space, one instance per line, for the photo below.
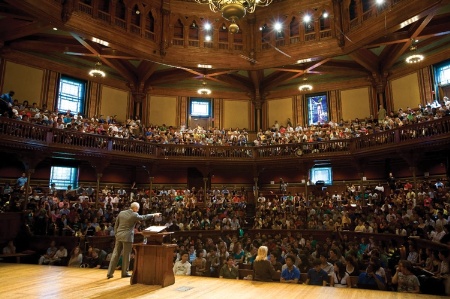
170 46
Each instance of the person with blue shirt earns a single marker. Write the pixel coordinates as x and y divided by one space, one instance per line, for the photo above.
291 274
317 276
6 103
22 180
7 97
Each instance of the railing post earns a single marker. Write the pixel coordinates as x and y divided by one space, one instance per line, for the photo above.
397 136
110 145
49 137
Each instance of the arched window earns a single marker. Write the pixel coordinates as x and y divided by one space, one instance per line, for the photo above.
366 4
294 29
178 30
136 16
352 10
265 33
193 31
324 21
223 34
120 10
103 5
150 22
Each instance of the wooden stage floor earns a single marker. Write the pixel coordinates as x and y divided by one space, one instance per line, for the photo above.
34 281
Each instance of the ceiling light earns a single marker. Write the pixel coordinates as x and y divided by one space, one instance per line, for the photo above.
305 87
207 26
379 2
96 72
306 18
277 26
325 14
416 58
208 38
234 10
204 90
100 41
304 60
204 66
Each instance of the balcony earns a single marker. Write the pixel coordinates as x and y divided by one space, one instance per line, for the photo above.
18 135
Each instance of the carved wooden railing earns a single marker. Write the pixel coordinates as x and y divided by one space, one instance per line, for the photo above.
14 132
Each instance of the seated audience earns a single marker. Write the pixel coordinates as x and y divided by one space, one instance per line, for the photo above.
229 270
291 274
182 267
406 281
316 275
263 269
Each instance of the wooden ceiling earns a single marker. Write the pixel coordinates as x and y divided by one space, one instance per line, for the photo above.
352 56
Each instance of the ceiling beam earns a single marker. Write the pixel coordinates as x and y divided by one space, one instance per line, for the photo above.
398 50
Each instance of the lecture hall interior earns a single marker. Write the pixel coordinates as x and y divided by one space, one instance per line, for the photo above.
313 127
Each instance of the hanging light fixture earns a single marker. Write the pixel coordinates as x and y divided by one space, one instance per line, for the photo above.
204 90
96 72
234 10
305 86
414 57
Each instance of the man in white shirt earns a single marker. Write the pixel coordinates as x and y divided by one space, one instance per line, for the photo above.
182 267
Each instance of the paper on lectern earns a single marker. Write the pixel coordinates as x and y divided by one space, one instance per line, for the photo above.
155 229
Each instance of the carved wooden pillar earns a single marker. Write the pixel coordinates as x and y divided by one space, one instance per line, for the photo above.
99 165
337 17
258 100
151 187
205 182
165 13
379 83
112 11
139 95
30 162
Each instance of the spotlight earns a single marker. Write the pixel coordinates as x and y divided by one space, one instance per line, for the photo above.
379 2
277 26
208 38
325 14
307 18
207 26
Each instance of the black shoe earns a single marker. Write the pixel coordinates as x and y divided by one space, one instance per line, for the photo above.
126 275
109 276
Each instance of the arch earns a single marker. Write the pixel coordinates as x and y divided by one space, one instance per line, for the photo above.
294 28
103 5
352 10
223 33
178 29
121 10
136 16
193 31
150 22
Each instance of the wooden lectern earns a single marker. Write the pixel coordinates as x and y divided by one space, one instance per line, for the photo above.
153 264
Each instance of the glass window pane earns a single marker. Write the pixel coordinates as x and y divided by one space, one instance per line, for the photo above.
64 176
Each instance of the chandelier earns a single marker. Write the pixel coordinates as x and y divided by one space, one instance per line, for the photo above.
234 10
204 90
414 58
305 87
96 72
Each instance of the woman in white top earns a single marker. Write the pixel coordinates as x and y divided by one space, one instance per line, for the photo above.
340 277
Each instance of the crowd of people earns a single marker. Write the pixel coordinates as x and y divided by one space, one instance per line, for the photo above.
134 129
420 212
400 211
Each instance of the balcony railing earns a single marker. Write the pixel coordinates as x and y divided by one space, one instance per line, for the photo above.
14 133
